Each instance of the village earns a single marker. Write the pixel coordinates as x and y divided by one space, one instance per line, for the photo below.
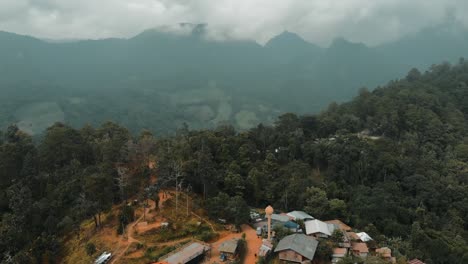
192 238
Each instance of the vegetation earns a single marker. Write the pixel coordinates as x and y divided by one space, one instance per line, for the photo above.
392 162
156 253
90 249
241 250
324 250
126 217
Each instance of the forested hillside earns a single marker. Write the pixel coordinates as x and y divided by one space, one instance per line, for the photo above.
159 80
392 162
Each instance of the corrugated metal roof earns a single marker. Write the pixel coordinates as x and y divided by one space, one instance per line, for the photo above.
299 243
186 253
280 218
364 237
317 226
340 224
300 215
229 246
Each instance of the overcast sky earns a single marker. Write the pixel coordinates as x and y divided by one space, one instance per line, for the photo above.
319 21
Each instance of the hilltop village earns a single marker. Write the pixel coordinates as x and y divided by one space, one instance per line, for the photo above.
294 237
269 237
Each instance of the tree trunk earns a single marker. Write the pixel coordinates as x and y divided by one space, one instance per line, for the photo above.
96 224
144 209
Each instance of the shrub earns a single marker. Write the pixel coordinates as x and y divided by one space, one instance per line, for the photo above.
207 235
90 249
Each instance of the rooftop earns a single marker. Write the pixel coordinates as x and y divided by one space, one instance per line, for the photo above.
229 246
299 243
186 253
340 224
291 224
265 248
353 236
364 237
317 226
300 215
280 218
340 251
360 247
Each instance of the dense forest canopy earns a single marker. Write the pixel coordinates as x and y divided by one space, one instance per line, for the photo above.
393 162
159 80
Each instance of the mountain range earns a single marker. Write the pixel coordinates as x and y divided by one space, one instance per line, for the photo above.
159 80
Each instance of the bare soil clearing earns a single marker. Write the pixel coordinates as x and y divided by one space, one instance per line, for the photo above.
253 244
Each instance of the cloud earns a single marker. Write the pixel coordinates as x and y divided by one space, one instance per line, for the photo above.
319 21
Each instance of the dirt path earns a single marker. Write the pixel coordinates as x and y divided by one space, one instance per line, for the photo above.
206 221
130 230
129 234
253 244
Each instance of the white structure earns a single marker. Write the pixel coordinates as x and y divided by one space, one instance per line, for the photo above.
103 258
318 228
300 215
364 237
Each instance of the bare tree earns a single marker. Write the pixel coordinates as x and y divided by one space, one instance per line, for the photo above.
122 182
189 189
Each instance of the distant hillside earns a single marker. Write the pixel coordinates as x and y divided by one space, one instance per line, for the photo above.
392 162
160 80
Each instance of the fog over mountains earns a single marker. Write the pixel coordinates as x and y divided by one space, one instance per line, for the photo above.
159 80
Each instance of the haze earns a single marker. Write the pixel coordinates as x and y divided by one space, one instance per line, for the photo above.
319 21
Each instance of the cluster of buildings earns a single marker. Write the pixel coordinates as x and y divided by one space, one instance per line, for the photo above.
301 246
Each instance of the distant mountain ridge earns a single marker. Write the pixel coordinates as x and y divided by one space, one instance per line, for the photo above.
147 77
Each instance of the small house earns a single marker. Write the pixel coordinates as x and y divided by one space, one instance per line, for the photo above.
228 249
360 249
338 254
265 248
318 228
297 248
385 253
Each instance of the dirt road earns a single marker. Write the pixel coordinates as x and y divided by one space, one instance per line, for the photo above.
253 244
